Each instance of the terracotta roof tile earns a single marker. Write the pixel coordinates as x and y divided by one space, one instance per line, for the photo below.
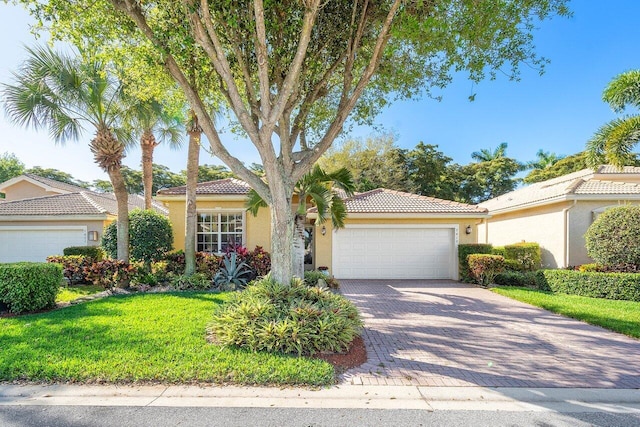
220 186
382 200
80 203
608 180
56 184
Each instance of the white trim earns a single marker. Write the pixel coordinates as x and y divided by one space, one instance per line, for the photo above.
217 210
400 215
42 185
201 197
453 272
98 217
43 227
565 198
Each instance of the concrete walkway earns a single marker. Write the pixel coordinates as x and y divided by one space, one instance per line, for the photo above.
448 334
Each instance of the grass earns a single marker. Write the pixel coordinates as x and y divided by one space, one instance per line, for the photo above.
140 338
615 315
70 293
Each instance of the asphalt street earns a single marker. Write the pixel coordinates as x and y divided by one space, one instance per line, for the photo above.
83 416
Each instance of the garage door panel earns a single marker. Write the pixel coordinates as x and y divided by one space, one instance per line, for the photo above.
393 253
36 244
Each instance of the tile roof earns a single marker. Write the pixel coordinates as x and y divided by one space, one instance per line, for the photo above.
80 203
55 184
382 200
220 186
606 180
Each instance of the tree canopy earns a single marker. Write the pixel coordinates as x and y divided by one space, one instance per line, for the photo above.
294 73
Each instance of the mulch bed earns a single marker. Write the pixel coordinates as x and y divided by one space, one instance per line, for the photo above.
356 356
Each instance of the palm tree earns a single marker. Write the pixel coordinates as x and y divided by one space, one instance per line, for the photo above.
614 141
61 93
149 118
487 155
193 160
544 160
318 187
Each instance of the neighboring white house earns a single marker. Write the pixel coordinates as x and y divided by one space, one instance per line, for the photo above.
557 213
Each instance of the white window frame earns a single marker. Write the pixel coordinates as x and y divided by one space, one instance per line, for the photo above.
220 233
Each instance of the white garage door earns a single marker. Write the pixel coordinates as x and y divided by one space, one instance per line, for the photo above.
37 243
394 253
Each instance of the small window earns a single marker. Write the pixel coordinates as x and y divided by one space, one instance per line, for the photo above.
216 231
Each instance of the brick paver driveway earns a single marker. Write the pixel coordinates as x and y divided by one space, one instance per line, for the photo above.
444 333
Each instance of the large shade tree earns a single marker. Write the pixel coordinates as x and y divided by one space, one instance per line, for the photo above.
614 141
64 94
293 72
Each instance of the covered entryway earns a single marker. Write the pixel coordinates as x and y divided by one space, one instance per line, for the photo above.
381 251
36 243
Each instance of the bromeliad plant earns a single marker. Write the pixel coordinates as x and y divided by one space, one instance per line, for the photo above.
233 275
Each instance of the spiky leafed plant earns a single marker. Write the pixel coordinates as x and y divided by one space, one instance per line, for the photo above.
614 141
65 94
486 155
149 118
319 188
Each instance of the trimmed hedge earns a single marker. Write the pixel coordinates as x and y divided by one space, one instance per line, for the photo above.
94 252
527 255
620 286
29 286
464 251
528 279
613 237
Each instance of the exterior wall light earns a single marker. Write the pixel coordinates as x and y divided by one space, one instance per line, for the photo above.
323 230
468 229
93 236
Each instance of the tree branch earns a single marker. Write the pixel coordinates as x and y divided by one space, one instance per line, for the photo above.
262 58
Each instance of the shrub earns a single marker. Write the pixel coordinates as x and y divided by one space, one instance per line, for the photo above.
73 267
110 273
269 316
499 250
526 279
150 236
528 255
621 286
311 278
195 282
206 263
589 268
160 270
513 265
95 253
463 252
29 286
484 268
613 237
259 261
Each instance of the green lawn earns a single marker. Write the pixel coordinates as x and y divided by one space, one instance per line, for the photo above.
618 316
140 338
70 293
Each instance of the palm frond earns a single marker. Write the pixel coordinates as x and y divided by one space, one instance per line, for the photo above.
614 142
254 202
623 91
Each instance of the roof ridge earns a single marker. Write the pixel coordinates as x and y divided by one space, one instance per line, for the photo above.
574 186
93 203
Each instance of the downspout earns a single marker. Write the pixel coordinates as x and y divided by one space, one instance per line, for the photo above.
565 212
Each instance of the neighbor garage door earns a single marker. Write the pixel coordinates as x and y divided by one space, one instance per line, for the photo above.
37 243
365 252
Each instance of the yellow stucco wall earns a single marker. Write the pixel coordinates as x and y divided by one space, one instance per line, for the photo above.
323 243
25 190
258 228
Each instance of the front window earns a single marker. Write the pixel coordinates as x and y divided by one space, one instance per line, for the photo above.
216 231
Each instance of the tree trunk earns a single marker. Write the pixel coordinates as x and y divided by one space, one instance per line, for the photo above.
298 246
282 226
147 144
122 199
193 160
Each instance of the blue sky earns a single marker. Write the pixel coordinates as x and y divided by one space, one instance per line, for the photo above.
556 112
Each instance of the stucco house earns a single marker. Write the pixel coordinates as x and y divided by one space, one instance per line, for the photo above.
387 235
557 213
41 217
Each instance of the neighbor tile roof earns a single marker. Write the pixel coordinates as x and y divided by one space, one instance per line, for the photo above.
220 186
606 180
80 203
55 184
382 200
